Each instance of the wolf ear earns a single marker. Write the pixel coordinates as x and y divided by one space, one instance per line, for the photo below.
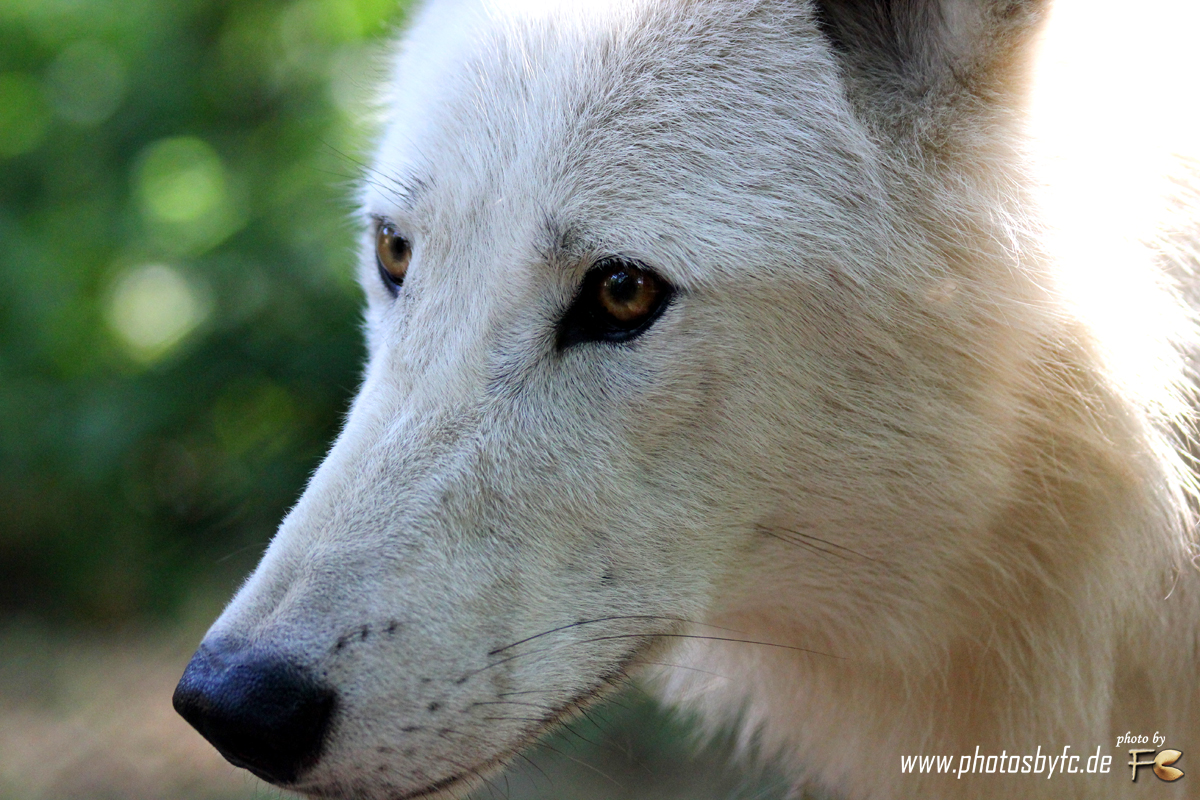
906 56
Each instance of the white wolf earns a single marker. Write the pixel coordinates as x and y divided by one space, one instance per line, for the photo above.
734 334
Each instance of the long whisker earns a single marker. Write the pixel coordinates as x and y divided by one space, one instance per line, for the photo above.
397 186
446 731
582 622
476 773
800 543
690 669
566 726
812 540
589 718
584 764
648 635
381 184
533 764
712 639
511 703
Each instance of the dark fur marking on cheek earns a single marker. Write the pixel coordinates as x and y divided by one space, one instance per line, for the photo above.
462 680
434 706
411 729
363 632
385 750
426 680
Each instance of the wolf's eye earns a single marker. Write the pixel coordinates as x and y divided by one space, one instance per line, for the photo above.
392 254
619 299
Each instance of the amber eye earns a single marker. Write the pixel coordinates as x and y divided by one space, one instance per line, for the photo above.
627 293
392 254
619 300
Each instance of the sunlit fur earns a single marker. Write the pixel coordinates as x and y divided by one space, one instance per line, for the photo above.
905 418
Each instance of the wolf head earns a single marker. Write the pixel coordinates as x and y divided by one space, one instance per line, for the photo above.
676 311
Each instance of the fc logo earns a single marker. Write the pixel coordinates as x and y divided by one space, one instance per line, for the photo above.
1161 763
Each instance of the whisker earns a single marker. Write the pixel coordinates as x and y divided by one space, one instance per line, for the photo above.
690 669
531 763
487 741
800 543
566 726
712 639
237 552
808 536
583 622
584 764
396 186
599 728
336 174
651 635
476 773
379 183
443 731
511 703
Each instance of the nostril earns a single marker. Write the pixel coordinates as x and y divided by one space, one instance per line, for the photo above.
262 712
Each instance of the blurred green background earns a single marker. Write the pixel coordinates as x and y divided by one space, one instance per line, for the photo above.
177 311
178 340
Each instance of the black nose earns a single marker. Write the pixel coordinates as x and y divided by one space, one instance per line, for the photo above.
260 711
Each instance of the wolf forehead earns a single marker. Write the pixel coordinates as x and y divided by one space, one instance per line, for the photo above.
620 127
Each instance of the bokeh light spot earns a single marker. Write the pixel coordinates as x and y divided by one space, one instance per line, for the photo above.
152 309
180 179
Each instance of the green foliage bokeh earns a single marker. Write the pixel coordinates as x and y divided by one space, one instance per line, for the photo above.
178 316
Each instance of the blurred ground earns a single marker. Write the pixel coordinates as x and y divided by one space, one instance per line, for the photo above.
90 718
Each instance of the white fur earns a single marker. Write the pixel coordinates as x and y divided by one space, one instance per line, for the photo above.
885 424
